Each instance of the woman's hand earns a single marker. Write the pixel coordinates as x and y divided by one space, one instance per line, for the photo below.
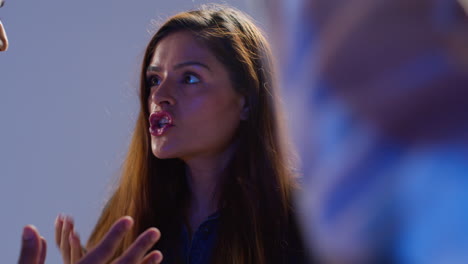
33 247
72 252
3 36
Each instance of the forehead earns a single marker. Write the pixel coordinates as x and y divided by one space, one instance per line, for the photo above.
181 46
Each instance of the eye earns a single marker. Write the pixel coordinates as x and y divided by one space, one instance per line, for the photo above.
153 81
191 79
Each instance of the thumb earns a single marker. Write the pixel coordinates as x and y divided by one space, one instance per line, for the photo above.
30 246
43 251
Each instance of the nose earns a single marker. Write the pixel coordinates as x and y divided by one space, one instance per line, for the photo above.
162 95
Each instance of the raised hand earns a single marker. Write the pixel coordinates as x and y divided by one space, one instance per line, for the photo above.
33 247
3 36
72 252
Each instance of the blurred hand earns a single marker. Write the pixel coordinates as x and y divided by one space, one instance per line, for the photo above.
33 247
3 36
69 244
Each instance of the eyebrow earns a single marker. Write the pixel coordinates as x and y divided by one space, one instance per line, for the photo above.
154 68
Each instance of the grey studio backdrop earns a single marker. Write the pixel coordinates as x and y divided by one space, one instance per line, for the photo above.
68 103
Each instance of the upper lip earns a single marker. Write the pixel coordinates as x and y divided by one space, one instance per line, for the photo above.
156 117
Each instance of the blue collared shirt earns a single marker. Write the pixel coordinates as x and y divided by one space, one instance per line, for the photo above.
198 250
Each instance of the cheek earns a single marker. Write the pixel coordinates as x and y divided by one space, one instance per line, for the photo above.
213 110
216 120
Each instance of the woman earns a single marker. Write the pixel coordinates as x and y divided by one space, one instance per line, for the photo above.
212 174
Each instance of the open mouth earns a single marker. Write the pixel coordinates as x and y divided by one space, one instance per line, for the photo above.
159 123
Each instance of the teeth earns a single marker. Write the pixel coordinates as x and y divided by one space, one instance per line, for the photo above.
163 122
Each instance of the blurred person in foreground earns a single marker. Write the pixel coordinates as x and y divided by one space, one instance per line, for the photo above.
378 96
3 36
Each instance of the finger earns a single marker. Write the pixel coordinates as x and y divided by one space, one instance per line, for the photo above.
3 38
43 253
64 242
30 246
155 257
58 229
105 249
142 244
76 250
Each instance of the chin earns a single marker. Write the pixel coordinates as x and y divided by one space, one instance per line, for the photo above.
160 155
165 152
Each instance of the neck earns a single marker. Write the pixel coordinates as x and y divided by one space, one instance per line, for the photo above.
203 176
203 182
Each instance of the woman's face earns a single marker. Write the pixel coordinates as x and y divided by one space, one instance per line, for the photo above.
194 109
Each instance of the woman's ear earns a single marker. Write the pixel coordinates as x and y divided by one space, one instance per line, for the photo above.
244 109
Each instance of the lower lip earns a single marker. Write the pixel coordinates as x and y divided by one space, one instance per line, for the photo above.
159 131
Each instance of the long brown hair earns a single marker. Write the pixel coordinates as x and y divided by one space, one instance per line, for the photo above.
257 224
